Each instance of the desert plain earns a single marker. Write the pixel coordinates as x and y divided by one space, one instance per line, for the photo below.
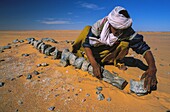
66 89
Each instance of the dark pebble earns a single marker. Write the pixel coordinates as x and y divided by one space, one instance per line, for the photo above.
9 44
2 84
97 92
19 76
20 102
15 45
7 47
51 108
108 99
38 65
21 41
39 77
29 76
36 72
87 95
67 41
44 64
16 110
12 79
9 91
100 97
15 41
76 94
25 55
84 100
57 95
99 88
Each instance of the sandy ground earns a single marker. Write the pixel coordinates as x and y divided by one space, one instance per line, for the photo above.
72 90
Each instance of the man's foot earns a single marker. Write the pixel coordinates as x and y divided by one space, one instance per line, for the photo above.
121 66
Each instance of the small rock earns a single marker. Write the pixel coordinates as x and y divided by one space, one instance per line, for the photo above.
39 77
109 99
2 84
76 94
29 76
7 47
57 95
19 76
51 108
87 95
66 41
36 72
83 100
12 79
9 44
15 45
97 92
25 55
80 90
30 39
15 41
100 97
99 88
21 41
38 65
16 110
20 102
44 64
9 91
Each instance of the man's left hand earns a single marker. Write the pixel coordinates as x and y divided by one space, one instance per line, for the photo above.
150 80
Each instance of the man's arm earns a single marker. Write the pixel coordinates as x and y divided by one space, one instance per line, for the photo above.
95 65
150 74
140 47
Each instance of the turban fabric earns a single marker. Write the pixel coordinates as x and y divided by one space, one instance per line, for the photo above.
117 20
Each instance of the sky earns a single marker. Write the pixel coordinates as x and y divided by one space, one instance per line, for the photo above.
147 15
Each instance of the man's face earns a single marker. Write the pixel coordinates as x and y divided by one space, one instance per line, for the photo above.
116 32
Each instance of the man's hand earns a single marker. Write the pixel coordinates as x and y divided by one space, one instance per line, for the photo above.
95 65
150 80
97 71
150 74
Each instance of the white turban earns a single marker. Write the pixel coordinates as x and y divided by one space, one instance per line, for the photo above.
119 21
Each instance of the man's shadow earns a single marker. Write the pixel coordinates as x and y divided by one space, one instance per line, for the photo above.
133 62
130 62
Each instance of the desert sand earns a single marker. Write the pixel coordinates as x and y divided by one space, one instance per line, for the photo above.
73 90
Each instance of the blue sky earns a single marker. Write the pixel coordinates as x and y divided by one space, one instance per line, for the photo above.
147 15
